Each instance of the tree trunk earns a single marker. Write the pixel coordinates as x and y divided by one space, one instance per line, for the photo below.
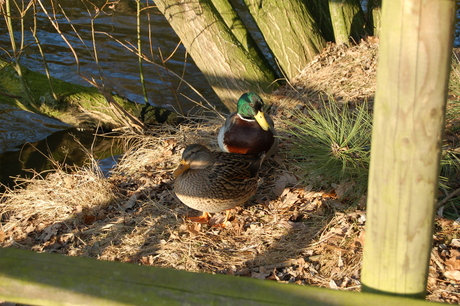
229 65
319 10
374 13
347 20
414 64
289 31
236 25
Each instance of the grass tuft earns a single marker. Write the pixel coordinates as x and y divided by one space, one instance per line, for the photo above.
332 143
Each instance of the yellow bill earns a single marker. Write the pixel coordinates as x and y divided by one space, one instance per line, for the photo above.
260 118
182 167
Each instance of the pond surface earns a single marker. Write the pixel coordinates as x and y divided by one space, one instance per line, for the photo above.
112 59
70 147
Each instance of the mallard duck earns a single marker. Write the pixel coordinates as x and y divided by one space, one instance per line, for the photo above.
248 130
215 181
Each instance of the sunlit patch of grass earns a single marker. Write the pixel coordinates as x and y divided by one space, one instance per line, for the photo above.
449 205
454 82
450 165
332 144
451 210
450 174
453 102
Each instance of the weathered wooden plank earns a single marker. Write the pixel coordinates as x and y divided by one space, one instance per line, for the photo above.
52 279
414 63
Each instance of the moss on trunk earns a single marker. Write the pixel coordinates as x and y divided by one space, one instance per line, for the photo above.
77 105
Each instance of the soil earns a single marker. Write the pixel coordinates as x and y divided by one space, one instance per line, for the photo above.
289 232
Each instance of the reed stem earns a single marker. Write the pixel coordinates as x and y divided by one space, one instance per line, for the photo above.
139 54
28 99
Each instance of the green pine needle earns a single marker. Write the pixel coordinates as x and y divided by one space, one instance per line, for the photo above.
332 142
332 146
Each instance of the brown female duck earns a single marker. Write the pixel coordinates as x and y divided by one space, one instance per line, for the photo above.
215 181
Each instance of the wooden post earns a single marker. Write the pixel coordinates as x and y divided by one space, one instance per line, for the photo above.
414 64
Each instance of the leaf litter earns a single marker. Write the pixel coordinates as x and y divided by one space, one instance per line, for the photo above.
289 232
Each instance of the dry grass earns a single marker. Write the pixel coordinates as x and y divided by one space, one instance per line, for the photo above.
347 74
289 232
61 201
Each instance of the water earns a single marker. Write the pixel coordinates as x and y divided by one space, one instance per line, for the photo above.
58 149
118 67
114 27
18 126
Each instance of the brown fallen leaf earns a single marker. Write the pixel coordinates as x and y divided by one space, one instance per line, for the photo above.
455 243
147 260
453 275
262 274
2 236
285 179
194 228
132 200
453 264
89 219
217 219
360 238
343 189
50 231
288 198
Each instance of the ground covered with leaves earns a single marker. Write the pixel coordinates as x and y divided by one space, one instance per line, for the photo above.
291 231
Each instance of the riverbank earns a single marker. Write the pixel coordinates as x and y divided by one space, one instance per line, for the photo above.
61 105
289 232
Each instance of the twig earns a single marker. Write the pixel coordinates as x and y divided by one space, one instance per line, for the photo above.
40 49
10 96
450 196
437 259
286 263
123 115
139 47
55 24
